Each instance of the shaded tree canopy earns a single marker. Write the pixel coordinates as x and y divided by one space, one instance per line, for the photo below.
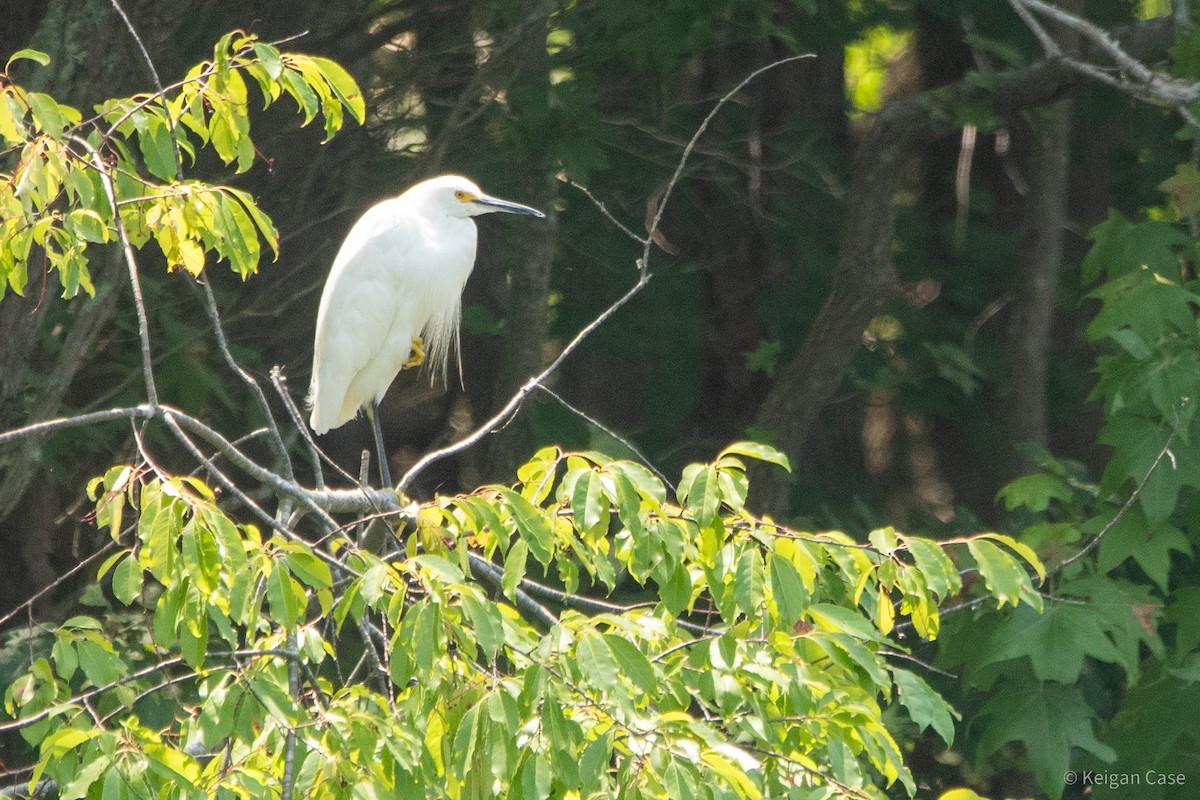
937 258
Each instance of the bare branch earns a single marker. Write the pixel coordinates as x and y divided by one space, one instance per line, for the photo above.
609 432
131 261
504 414
279 380
514 404
157 85
644 263
214 316
1126 74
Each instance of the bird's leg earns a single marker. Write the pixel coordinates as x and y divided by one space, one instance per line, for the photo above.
417 357
385 473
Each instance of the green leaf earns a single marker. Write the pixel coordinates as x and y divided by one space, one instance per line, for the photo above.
765 357
699 491
633 663
87 225
925 706
51 117
1056 641
1050 719
485 619
588 500
285 596
270 58
748 583
532 525
838 619
564 736
157 146
1022 549
762 452
676 591
596 660
1004 577
941 576
343 86
514 567
1121 247
1149 543
1184 189
310 569
127 580
646 482
1034 492
787 590
28 55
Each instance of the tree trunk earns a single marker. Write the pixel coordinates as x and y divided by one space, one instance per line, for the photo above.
1041 258
864 279
528 319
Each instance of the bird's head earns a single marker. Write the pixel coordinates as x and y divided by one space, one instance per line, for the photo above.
456 196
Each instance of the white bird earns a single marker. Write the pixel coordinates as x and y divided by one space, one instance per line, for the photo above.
396 282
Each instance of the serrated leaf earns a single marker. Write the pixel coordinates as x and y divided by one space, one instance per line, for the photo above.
1056 641
1050 719
1034 492
1121 247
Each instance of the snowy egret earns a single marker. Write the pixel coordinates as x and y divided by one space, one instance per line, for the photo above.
394 296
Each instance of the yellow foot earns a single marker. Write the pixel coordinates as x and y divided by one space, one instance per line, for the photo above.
417 356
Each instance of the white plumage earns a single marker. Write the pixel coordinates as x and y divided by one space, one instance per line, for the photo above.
399 275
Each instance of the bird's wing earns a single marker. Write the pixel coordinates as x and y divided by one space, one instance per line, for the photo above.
363 310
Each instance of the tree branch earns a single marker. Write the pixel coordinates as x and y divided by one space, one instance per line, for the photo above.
864 279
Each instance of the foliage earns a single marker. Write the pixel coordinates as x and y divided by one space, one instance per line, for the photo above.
747 659
463 643
93 168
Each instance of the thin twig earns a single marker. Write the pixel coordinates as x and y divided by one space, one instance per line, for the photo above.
644 263
289 752
514 404
279 381
504 414
1133 496
157 85
609 432
604 210
214 315
130 261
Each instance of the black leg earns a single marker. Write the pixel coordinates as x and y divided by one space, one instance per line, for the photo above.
385 473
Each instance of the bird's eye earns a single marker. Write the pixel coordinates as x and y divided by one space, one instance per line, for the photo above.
462 196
